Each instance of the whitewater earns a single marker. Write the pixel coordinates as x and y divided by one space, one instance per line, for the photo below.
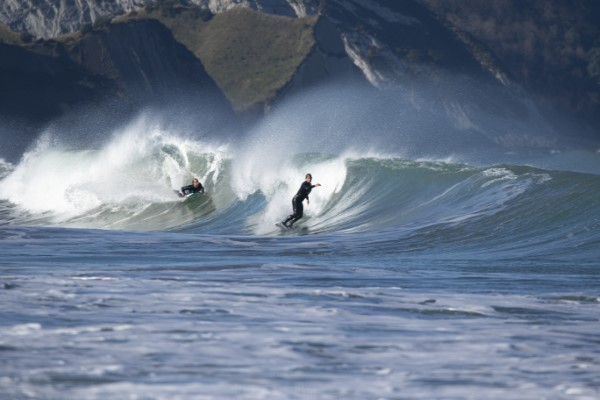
418 272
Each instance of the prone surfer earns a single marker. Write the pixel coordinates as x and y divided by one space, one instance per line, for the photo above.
298 208
195 187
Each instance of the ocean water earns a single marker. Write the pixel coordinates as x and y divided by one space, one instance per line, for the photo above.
408 278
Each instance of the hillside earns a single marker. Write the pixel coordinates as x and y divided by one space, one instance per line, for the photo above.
250 55
552 48
254 54
120 67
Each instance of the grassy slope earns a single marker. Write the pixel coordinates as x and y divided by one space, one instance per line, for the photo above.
250 55
253 55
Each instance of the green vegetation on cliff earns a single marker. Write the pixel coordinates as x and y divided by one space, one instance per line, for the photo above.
250 55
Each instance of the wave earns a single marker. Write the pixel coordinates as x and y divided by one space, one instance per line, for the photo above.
128 185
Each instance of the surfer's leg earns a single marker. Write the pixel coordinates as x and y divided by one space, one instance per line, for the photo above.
298 212
293 215
288 219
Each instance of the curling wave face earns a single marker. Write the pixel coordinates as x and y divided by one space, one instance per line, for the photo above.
128 185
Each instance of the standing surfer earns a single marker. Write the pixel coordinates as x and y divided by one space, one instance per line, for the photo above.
297 206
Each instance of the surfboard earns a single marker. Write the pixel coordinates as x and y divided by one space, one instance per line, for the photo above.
184 197
192 196
292 230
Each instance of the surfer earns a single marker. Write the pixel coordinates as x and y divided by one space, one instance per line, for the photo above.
297 206
195 187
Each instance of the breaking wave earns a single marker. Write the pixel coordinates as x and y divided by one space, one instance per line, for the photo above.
129 184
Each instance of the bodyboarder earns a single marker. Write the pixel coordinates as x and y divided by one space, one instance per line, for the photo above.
195 187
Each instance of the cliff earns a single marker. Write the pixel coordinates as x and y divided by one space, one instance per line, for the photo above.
52 18
255 53
256 58
120 66
551 48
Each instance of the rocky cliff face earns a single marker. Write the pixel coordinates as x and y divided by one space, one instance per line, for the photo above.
383 37
121 66
392 41
551 47
38 83
52 18
386 43
134 58
141 56
328 61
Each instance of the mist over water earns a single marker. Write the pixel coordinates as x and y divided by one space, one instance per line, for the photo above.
130 175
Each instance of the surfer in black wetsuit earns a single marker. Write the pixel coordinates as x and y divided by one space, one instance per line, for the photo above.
195 187
297 206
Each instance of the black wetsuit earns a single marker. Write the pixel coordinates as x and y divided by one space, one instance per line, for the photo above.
297 206
191 189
